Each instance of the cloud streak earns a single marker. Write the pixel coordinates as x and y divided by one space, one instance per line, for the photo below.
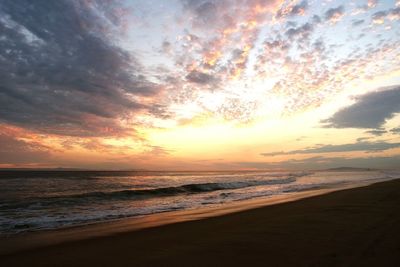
17 151
326 162
359 146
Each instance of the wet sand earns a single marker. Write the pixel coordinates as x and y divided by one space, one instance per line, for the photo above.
352 227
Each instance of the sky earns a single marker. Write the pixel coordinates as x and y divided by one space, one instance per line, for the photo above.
199 84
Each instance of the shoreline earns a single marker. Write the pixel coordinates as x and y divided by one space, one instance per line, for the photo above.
17 243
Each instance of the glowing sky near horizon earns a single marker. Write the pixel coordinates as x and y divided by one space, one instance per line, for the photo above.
199 84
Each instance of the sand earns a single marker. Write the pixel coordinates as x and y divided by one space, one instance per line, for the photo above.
352 227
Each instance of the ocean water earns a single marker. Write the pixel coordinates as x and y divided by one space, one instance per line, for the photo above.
36 200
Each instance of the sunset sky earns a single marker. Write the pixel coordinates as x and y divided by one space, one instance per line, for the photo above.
199 84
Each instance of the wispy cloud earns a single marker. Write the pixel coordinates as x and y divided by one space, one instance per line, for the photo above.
377 132
18 151
357 22
320 162
359 146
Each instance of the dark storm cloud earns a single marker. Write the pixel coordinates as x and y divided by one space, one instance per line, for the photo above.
370 111
59 72
359 146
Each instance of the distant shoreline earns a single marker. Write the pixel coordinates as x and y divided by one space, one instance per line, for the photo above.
147 170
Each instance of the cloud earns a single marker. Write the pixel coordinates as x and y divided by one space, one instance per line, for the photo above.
200 77
299 9
379 17
357 22
59 71
205 11
251 42
228 25
303 31
18 151
394 14
360 139
377 132
94 144
370 110
395 130
325 162
166 47
333 15
293 10
372 3
391 14
359 146
157 151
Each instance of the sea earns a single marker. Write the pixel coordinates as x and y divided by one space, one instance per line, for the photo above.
40 200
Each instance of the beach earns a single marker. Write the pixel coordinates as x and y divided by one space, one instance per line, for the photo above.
350 227
199 133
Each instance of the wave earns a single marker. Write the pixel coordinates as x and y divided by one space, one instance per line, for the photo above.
146 193
185 189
